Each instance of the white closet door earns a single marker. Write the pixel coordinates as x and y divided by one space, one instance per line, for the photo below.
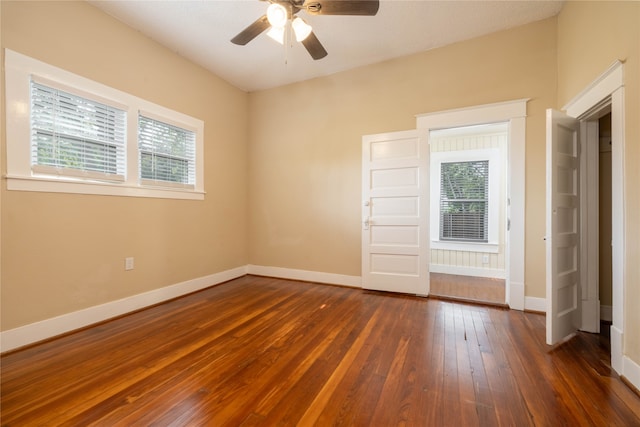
395 213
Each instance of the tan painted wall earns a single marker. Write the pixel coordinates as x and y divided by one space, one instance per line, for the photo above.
305 142
591 36
63 252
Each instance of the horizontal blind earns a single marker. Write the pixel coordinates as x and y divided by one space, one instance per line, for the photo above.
167 153
464 201
76 136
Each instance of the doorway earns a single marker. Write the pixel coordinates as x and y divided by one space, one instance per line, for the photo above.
604 95
468 212
513 113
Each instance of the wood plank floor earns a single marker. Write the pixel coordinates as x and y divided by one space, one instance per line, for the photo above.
260 351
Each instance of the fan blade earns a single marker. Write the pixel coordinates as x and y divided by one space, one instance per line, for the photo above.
252 31
342 7
314 47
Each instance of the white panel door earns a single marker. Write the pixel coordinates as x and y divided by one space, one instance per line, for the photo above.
395 214
563 227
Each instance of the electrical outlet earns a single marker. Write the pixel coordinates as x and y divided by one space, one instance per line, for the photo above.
485 259
128 263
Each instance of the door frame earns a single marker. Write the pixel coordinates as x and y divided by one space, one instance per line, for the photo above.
513 112
608 88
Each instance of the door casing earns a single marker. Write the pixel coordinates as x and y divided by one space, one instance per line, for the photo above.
608 88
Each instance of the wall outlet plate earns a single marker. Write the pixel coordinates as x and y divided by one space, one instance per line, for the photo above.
128 263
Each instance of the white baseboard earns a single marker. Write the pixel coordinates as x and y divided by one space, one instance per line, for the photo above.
606 313
539 304
535 304
38 331
631 371
306 275
617 358
490 273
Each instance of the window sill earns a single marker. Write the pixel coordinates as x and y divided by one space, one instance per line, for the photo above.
491 248
62 185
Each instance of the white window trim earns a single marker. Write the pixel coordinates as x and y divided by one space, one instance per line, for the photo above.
493 156
20 69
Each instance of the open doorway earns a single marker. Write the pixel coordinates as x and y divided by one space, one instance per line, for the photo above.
514 114
468 212
603 99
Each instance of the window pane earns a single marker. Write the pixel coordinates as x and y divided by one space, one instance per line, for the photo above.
464 207
167 152
163 168
73 153
72 132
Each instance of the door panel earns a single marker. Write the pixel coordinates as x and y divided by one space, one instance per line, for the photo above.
563 227
395 214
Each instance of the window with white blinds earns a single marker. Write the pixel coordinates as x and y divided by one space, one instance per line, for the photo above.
166 153
76 136
464 201
69 134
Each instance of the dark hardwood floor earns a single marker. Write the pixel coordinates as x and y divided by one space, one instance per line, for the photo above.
260 351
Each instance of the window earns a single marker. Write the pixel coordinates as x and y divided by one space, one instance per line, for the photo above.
464 201
466 187
76 136
167 153
69 134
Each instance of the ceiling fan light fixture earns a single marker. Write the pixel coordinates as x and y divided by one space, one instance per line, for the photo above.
301 29
276 33
277 15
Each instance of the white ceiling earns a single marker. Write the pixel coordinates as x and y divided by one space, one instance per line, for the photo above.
201 31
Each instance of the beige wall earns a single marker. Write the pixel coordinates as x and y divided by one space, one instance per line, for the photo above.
63 252
305 142
591 36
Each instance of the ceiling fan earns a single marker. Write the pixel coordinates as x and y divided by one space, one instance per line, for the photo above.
282 13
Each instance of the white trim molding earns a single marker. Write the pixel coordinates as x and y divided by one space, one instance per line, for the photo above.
535 304
631 371
38 331
601 88
306 275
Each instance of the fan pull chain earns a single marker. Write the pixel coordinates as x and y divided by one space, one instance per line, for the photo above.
288 42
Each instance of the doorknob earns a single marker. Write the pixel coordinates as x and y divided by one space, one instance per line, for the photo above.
366 223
